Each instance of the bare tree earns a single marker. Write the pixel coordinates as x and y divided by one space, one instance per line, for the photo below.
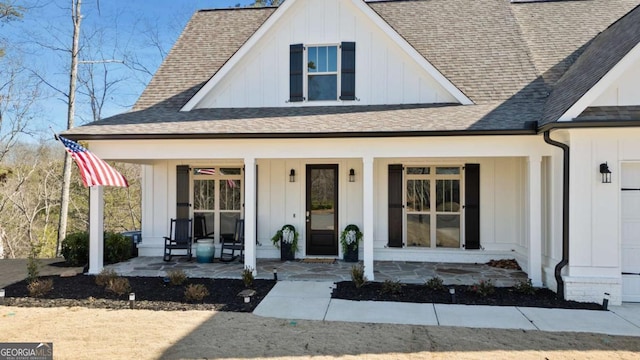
76 17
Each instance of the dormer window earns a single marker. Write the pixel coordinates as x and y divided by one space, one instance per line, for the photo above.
329 74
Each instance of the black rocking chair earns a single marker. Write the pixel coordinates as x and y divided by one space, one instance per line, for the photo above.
231 245
180 238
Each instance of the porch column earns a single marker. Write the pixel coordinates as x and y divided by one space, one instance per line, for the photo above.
250 214
535 220
367 216
96 229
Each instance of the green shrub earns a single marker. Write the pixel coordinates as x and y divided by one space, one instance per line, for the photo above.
40 287
176 277
195 292
357 276
118 286
105 276
435 283
391 287
117 248
483 288
247 277
525 287
75 249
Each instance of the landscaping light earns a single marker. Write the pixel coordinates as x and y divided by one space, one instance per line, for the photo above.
1 296
605 173
132 299
352 175
605 302
452 291
292 176
275 274
247 299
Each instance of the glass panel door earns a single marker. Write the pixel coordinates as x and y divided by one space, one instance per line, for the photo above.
322 209
432 212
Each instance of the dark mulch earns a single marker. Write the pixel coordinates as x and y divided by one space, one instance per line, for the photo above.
417 293
151 293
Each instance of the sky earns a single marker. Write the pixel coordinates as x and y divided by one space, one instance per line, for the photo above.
117 30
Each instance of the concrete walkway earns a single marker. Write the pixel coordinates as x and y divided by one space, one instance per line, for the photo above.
311 300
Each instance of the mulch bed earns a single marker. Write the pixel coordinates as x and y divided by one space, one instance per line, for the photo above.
151 293
417 293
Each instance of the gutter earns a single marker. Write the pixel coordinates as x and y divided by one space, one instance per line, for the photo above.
565 213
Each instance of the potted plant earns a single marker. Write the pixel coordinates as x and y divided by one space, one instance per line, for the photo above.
349 239
286 239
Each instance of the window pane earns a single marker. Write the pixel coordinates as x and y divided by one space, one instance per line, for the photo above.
418 195
418 230
228 224
230 171
333 58
203 194
322 59
448 231
418 170
204 171
448 195
198 231
323 87
312 59
230 194
322 195
448 170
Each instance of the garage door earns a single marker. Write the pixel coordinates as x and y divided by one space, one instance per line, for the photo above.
631 232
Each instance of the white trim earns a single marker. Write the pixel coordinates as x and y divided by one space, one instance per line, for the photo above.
366 10
602 85
233 60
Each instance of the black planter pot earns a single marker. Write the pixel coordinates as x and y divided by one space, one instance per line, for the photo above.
351 255
285 252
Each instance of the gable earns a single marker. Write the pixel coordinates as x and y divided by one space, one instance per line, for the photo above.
387 71
624 91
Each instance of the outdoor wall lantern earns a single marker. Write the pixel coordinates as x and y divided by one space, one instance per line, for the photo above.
352 175
605 173
292 176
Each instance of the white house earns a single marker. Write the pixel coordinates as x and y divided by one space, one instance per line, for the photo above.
447 130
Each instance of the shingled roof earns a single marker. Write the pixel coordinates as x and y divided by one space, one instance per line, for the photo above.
507 58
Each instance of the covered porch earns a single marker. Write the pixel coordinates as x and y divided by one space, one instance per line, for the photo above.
338 270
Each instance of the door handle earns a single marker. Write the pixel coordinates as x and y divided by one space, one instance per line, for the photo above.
308 216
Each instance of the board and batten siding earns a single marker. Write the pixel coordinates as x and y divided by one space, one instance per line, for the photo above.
624 91
385 74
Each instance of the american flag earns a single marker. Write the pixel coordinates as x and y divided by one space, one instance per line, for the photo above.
94 171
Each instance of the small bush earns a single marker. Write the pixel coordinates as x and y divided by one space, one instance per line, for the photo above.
391 287
117 248
118 286
75 249
195 292
40 287
483 288
105 276
525 287
247 277
435 283
176 277
357 276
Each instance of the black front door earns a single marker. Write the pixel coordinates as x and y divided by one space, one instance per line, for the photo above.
322 209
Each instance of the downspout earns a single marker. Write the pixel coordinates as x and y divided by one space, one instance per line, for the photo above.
565 213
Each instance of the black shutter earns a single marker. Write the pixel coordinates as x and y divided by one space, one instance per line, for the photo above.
395 205
348 75
182 192
296 63
472 206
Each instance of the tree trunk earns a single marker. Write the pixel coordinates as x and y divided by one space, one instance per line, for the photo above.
73 78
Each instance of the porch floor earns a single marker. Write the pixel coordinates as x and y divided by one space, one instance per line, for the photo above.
406 272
